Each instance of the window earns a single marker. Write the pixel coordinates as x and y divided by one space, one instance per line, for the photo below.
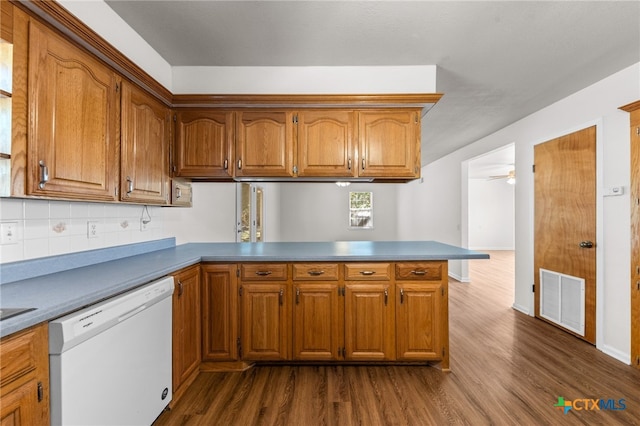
361 210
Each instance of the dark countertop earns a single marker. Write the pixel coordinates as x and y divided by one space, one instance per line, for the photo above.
60 293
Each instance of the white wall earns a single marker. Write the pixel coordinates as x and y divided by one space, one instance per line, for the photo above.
436 204
305 80
320 212
213 215
110 26
491 215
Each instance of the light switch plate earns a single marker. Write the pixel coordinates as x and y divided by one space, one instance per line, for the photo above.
8 233
613 191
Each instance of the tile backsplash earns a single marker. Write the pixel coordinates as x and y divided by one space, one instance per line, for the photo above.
47 228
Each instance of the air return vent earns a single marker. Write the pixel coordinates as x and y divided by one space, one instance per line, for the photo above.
562 300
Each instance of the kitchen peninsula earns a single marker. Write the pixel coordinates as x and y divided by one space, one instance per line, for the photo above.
356 301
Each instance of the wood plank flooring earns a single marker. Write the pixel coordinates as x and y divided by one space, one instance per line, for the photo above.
507 369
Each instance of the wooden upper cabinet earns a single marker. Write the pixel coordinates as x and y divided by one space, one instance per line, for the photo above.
145 145
73 112
264 143
389 144
203 144
326 143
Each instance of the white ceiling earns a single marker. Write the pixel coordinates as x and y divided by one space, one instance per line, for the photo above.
497 61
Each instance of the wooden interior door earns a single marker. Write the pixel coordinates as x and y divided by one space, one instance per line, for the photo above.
565 216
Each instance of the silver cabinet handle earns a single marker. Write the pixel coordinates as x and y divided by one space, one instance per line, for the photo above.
297 295
281 297
129 185
44 174
386 296
263 273
363 163
240 164
349 164
401 296
226 164
180 288
367 272
315 272
178 192
586 244
419 272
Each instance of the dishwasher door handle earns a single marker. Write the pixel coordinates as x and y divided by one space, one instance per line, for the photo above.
131 313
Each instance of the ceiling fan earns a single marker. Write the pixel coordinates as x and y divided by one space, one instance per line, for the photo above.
510 177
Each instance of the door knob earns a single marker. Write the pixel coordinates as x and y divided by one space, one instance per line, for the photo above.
586 244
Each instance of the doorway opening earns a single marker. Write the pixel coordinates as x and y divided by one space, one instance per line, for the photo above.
250 213
488 216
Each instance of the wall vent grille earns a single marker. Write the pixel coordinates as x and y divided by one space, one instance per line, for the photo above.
562 300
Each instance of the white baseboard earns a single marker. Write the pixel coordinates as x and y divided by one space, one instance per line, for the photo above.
460 278
616 353
492 248
521 308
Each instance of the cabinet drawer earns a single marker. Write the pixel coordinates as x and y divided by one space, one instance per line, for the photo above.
315 271
367 271
18 355
422 271
263 272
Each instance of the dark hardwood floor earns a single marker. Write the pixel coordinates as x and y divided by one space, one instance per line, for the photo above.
506 369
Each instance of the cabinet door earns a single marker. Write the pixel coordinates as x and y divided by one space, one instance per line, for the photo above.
219 315
325 143
369 321
264 143
17 406
389 144
203 144
24 378
186 325
265 321
73 106
418 321
145 142
317 321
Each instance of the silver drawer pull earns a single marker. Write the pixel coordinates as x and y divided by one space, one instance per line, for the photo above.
129 185
367 272
315 273
419 272
263 273
44 174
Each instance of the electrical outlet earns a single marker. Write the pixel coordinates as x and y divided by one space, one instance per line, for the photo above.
8 233
93 229
144 224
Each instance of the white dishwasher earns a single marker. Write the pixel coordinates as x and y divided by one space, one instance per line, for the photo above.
110 364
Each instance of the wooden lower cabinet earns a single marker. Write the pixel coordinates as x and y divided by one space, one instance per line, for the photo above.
369 321
219 312
323 312
418 323
24 383
265 317
186 328
318 321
